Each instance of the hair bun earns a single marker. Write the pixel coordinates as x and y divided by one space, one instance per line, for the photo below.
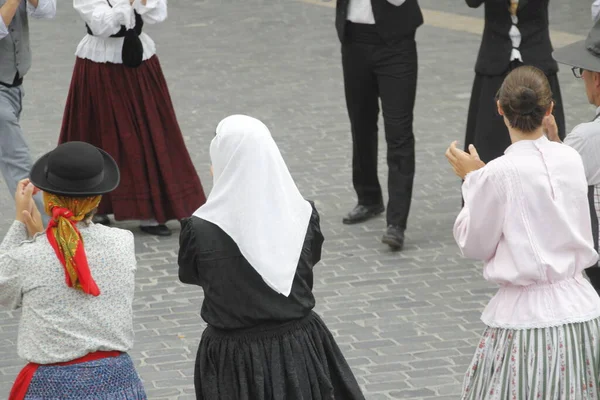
525 101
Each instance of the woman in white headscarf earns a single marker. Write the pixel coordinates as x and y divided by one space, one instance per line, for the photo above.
252 248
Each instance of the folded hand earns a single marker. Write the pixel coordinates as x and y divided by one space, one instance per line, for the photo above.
27 211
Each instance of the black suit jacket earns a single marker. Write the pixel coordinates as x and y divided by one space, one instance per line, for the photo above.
393 23
496 46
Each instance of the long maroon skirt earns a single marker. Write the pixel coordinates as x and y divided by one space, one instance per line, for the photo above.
128 112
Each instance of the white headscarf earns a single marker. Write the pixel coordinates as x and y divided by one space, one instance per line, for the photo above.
255 200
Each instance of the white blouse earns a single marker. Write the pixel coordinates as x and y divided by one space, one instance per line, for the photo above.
526 215
105 21
361 11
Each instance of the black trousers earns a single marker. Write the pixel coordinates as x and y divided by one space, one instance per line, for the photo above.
376 70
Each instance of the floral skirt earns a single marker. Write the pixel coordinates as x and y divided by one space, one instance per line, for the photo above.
556 363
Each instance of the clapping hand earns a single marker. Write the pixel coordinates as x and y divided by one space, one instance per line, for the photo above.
550 128
463 162
27 211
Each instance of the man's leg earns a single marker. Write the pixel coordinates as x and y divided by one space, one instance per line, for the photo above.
396 70
362 102
15 160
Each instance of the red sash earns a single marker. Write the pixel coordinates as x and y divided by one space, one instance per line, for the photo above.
21 385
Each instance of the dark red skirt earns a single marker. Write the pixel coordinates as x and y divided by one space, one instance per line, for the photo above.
128 112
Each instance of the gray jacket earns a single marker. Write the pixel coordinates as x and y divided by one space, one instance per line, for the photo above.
15 53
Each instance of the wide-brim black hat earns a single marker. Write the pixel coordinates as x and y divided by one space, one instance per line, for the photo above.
76 169
584 53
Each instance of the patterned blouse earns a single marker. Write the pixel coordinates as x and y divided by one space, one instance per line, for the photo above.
59 323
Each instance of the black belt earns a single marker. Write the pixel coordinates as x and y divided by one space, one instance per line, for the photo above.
139 24
18 81
132 52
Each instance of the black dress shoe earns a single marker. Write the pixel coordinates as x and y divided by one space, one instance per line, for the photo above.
101 219
394 237
362 213
156 230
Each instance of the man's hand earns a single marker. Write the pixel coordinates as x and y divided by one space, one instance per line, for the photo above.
462 162
550 128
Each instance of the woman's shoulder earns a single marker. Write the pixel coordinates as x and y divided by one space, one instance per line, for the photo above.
205 235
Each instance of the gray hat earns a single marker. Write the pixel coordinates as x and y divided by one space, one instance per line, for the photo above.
583 54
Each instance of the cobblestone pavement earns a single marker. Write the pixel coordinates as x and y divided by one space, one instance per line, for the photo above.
407 322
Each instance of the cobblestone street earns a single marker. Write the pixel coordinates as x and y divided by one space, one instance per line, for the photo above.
407 322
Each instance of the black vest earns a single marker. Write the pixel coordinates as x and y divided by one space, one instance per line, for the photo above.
393 23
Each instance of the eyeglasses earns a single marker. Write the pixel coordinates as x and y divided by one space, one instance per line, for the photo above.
577 72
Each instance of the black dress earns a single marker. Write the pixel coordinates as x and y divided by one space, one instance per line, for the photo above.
485 127
260 344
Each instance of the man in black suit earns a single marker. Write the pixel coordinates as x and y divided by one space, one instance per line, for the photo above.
379 60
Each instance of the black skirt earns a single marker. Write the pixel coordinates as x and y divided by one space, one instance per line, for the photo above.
485 127
297 360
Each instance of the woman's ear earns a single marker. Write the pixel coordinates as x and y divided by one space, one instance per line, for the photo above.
550 109
499 108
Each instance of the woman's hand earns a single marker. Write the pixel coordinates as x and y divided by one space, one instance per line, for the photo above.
462 162
514 6
27 211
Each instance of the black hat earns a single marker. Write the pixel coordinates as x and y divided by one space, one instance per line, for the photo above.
76 169
583 54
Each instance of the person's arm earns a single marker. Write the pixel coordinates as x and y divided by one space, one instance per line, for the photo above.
595 10
7 11
187 259
317 239
474 3
478 227
10 279
41 9
152 11
103 19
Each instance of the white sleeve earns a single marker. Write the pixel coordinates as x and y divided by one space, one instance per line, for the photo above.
10 278
103 19
46 9
3 29
154 11
595 10
478 227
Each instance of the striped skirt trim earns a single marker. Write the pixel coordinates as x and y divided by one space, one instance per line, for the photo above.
557 363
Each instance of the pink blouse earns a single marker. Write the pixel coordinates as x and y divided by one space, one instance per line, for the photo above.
526 215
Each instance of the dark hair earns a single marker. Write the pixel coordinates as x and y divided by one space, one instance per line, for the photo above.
525 97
